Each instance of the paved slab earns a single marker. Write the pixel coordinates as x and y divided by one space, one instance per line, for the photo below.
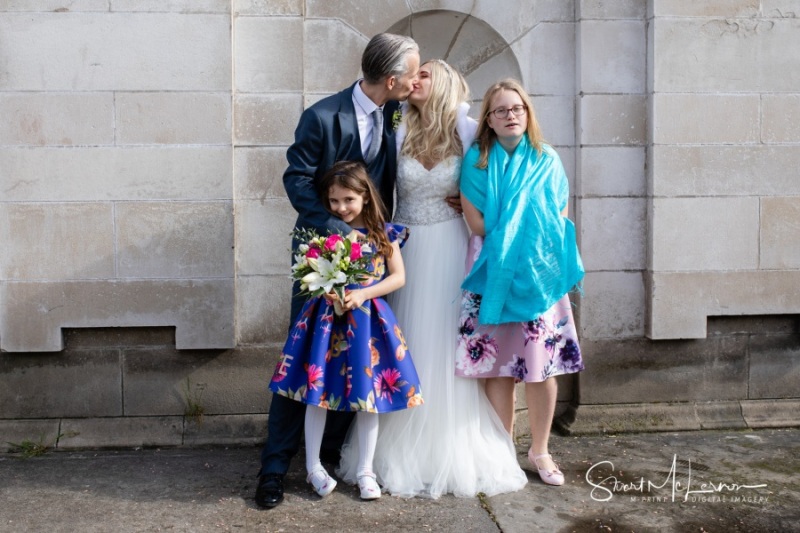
631 482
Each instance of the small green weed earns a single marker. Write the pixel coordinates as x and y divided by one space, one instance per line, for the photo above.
28 448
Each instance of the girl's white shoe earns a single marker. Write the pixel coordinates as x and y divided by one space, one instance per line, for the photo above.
370 490
322 482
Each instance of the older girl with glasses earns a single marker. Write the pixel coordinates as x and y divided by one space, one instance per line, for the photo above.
516 321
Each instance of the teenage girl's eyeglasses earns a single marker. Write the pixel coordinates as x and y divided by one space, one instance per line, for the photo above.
502 112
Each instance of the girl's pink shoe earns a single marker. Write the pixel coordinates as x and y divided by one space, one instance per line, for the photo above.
551 477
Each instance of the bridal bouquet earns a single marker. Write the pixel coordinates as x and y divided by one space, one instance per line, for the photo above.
325 265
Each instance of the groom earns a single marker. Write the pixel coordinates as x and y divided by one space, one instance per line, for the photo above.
353 125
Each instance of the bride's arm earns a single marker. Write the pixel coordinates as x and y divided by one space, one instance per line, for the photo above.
474 217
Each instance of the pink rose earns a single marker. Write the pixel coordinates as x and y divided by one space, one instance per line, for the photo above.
313 252
355 251
330 242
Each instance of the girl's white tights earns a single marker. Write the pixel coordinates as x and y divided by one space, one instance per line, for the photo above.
366 426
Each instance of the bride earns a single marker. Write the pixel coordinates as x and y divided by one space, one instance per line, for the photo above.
455 442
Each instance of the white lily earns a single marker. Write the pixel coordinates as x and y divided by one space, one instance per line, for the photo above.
326 276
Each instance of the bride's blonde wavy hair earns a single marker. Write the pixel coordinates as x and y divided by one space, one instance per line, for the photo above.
431 131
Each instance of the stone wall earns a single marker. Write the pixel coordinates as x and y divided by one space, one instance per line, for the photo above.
144 225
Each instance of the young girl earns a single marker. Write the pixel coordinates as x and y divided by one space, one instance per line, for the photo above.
357 361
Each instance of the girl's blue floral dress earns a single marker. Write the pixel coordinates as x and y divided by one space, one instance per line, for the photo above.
358 361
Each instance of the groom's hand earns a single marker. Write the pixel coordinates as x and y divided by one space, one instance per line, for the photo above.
455 203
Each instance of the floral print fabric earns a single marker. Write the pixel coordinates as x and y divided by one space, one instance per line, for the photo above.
358 361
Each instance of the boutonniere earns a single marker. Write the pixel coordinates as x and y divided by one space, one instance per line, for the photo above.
397 117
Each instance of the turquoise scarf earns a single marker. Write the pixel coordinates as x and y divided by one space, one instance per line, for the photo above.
530 255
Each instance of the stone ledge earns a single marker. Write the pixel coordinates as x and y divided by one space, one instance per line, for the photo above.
643 417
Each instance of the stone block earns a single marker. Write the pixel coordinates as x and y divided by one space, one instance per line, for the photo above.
84 383
171 6
354 13
115 51
33 314
634 418
779 237
268 7
16 432
774 366
483 75
328 72
780 118
711 234
638 370
66 119
556 116
174 240
263 241
613 233
681 301
118 337
709 54
613 120
125 432
555 10
619 9
713 8
268 119
263 56
705 119
612 171
236 430
613 305
262 309
719 415
741 170
104 174
771 413
612 56
547 58
171 382
440 28
460 6
511 22
46 6
258 173
56 241
173 118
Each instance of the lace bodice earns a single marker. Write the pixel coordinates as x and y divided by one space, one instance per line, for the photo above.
421 192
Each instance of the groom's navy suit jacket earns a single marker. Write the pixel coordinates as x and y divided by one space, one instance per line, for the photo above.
327 133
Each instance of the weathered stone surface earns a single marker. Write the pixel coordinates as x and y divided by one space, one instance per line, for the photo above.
226 429
546 55
56 241
115 51
56 119
173 118
780 233
376 19
16 432
171 382
262 54
262 310
771 413
705 118
713 8
780 118
266 119
613 120
483 75
34 313
612 171
174 240
612 56
49 6
509 23
171 6
613 306
77 384
680 301
326 73
705 234
440 30
636 370
117 432
100 174
612 233
774 366
556 115
619 9
259 173
634 418
753 170
709 54
268 7
263 237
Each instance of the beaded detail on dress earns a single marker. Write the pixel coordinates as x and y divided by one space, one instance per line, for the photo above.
421 192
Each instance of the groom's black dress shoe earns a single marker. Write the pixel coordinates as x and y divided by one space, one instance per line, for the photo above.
269 492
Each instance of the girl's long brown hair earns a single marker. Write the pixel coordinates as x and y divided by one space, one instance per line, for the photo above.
353 175
486 136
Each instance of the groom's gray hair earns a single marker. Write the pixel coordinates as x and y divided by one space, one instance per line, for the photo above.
386 55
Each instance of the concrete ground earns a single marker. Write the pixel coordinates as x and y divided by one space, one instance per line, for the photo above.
698 481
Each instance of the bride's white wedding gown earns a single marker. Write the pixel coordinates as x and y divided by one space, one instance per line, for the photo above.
454 442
